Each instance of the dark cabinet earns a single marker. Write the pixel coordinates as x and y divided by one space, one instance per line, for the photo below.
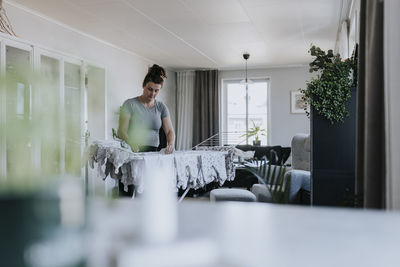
333 152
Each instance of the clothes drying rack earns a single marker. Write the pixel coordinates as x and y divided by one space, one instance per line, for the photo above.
224 139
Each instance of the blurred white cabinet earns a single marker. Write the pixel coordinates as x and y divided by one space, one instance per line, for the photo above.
44 109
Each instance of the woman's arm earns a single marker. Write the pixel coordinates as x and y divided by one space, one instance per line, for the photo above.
123 130
169 132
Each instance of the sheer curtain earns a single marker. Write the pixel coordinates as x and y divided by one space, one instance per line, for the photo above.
185 97
343 41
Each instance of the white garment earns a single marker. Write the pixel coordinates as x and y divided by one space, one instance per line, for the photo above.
193 169
230 167
137 167
213 167
187 168
160 165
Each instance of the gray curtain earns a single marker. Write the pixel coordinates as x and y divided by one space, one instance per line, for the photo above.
206 105
370 172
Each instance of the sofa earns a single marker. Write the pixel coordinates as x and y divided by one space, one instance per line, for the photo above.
299 174
276 155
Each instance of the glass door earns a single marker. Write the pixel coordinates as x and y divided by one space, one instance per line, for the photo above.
18 98
44 110
49 99
73 118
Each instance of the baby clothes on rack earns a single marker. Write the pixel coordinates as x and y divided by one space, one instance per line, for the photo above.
192 169
187 169
229 165
213 167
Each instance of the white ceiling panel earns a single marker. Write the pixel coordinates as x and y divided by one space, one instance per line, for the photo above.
159 9
91 2
194 34
221 11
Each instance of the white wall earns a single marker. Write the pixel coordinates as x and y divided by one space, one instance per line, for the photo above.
284 125
124 71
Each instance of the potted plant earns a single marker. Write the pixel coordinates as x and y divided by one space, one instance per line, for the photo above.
328 92
256 130
274 178
332 95
33 196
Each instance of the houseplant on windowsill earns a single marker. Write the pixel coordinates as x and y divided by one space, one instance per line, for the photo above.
256 131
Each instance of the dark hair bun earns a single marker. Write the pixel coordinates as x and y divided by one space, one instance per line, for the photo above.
155 74
157 71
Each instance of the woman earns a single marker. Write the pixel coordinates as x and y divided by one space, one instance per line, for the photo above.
141 117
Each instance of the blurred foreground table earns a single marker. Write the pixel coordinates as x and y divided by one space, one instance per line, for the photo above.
247 234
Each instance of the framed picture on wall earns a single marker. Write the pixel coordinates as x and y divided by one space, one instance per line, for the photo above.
297 104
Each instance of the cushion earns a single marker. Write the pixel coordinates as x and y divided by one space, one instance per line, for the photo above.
301 152
231 194
261 192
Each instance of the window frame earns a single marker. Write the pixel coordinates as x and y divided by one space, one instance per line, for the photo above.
224 104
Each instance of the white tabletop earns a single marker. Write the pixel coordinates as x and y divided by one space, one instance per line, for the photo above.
259 234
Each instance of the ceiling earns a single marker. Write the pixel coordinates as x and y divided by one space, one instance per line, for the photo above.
198 34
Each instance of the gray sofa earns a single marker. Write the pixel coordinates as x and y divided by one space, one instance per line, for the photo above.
299 174
300 184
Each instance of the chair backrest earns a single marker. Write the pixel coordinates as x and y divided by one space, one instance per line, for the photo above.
301 152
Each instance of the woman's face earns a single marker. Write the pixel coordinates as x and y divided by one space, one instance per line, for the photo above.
151 90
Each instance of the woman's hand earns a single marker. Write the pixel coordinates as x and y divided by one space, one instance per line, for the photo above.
169 149
135 148
169 132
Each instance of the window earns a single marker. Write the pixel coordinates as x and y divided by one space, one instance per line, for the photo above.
241 110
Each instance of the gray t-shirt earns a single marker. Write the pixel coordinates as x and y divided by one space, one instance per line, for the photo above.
144 123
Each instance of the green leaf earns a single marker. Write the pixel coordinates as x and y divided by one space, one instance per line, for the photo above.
329 91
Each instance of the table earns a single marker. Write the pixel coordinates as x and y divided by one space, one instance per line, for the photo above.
256 234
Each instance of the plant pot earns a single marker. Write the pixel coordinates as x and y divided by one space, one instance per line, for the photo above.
26 218
33 220
257 143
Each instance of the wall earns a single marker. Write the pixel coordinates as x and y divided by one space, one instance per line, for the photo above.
284 125
124 70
